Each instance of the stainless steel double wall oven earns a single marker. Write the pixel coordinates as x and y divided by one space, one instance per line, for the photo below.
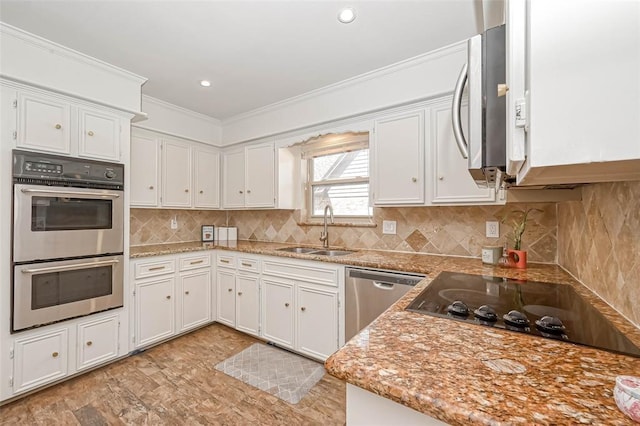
68 238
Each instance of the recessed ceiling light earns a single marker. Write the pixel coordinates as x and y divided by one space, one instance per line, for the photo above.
347 15
205 83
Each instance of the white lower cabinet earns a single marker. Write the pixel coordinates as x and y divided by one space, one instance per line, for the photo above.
40 359
173 294
154 310
238 281
317 324
278 311
248 304
226 297
97 341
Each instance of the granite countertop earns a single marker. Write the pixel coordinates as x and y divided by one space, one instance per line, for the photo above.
458 372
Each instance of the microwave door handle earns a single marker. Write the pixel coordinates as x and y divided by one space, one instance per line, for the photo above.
456 120
69 267
72 193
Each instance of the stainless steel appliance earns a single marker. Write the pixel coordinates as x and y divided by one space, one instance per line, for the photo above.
369 292
68 238
548 310
485 144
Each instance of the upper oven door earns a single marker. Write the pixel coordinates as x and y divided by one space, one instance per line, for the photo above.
52 222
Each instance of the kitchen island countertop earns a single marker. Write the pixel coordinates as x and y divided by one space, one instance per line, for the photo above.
461 373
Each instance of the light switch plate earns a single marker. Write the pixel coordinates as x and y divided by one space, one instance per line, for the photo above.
493 229
389 227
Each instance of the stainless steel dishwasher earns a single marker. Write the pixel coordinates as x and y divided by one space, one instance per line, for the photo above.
369 292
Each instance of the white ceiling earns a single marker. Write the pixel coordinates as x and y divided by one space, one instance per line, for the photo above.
254 52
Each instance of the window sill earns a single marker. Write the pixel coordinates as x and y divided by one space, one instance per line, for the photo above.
340 224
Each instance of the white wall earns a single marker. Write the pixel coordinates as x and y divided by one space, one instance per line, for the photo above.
425 76
177 121
30 59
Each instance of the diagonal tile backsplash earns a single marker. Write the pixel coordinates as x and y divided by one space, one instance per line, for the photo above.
437 230
599 243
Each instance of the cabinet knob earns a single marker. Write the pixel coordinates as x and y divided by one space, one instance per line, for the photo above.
89 343
441 178
240 192
90 132
303 309
230 289
58 126
248 191
186 190
286 305
186 292
151 187
239 293
414 179
502 89
55 354
202 192
168 297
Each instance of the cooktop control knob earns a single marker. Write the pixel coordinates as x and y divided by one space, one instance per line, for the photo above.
458 308
551 325
109 174
516 319
486 313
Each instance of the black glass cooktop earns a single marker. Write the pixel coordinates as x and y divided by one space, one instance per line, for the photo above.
554 311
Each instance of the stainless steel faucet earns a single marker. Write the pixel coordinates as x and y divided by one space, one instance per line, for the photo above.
324 235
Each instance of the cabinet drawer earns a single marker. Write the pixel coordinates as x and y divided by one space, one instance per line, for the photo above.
154 268
226 261
248 265
194 262
313 274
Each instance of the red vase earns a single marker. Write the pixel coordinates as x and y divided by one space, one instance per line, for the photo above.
519 258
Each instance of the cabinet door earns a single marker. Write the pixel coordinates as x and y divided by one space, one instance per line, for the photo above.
226 297
155 312
317 323
398 160
206 178
97 341
44 123
176 174
195 298
233 179
452 182
40 359
248 304
260 176
145 167
99 135
278 311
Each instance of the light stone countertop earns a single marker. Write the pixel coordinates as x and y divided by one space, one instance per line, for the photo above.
461 373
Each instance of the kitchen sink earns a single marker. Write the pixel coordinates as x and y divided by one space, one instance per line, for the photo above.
299 250
307 250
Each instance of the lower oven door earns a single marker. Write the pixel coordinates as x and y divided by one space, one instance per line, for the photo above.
57 222
47 292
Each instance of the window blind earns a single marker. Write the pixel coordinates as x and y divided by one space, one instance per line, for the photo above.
333 143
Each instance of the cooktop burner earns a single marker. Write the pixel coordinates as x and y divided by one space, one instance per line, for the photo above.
554 311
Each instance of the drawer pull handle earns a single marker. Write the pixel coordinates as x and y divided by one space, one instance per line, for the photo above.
186 292
195 262
303 309
224 261
230 289
58 127
248 265
156 268
55 354
168 297
239 293
286 305
89 343
90 133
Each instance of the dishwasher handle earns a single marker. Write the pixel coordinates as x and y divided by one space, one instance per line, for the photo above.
383 286
384 276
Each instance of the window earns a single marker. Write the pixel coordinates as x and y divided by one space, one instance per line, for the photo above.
338 174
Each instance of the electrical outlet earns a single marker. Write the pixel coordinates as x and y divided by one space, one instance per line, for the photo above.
174 223
493 229
389 227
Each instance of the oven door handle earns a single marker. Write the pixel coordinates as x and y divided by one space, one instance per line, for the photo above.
72 193
70 267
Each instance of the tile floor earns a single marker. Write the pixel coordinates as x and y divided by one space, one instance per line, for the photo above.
176 383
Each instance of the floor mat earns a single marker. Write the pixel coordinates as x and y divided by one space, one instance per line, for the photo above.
273 370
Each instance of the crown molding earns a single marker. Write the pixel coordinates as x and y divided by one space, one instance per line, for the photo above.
179 109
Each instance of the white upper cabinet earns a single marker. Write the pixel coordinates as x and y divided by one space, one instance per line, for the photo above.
582 64
176 174
398 159
451 181
233 164
99 134
206 178
145 171
44 123
260 176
